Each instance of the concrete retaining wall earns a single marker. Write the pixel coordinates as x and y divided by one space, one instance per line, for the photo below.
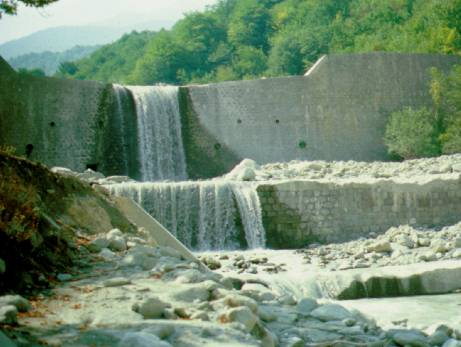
64 122
337 112
297 213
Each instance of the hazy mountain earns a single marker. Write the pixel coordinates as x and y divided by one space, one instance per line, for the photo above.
49 61
59 39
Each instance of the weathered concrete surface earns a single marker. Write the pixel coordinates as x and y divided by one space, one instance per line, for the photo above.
337 112
296 213
65 122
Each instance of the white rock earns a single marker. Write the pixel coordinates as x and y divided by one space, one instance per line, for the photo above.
267 314
331 312
452 343
235 300
380 246
21 304
306 305
142 339
98 244
410 338
244 171
193 294
439 246
287 300
242 315
8 314
116 282
151 308
117 244
107 254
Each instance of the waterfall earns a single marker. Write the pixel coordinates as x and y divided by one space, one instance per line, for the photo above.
161 151
203 215
121 94
250 212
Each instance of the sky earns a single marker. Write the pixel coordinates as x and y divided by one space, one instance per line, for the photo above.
95 12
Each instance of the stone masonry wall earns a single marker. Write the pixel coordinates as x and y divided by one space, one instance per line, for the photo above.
301 212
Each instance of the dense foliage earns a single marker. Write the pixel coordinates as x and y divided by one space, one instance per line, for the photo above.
429 132
237 39
112 63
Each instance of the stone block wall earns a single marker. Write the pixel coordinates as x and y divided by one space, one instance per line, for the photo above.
298 213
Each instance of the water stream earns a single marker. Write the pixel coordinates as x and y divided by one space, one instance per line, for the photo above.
161 151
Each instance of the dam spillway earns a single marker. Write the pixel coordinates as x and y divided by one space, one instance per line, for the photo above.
161 151
204 215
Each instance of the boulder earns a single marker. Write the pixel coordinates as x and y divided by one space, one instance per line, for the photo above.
380 246
142 339
411 338
21 304
8 314
306 305
151 308
331 312
242 315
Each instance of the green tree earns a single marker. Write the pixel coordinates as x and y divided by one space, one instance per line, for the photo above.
412 134
32 72
161 61
250 25
249 62
11 6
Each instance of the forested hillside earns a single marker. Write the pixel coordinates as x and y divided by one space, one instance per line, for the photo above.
48 61
241 39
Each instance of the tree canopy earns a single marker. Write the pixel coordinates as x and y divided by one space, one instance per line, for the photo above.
242 39
11 6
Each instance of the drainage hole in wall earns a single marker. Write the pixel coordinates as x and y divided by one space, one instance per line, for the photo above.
93 167
277 121
217 146
52 124
29 149
239 121
302 144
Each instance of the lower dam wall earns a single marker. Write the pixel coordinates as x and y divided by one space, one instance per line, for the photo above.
297 213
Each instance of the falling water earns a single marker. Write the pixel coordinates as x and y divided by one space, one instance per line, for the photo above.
121 94
161 151
202 215
250 212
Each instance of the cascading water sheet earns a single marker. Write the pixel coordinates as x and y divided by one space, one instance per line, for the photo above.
203 215
121 93
161 151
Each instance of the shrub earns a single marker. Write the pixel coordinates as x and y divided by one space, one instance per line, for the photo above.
412 133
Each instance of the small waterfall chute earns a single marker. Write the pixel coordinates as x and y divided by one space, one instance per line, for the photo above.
161 151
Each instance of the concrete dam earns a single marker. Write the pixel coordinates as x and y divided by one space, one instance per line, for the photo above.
337 112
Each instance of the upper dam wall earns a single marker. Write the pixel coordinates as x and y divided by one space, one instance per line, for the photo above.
337 112
63 122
